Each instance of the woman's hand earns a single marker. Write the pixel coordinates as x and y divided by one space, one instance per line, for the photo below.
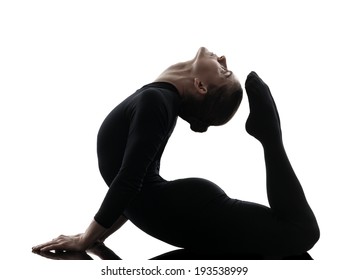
59 255
79 242
64 243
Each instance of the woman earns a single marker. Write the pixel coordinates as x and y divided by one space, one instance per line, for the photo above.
194 213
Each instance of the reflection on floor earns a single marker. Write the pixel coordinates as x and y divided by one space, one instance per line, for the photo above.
105 253
183 254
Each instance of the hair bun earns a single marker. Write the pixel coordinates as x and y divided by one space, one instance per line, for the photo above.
198 126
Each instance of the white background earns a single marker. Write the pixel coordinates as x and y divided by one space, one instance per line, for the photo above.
65 64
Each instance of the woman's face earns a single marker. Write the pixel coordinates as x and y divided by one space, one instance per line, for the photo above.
211 68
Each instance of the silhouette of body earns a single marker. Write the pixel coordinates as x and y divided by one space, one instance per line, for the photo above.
194 213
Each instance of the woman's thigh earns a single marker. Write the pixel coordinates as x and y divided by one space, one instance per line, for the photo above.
197 214
170 210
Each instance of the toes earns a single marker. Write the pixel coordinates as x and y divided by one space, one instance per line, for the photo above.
252 81
255 84
252 74
251 77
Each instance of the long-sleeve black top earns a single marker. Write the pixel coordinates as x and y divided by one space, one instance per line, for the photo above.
131 141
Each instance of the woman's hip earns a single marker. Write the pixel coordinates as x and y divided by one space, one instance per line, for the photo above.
175 211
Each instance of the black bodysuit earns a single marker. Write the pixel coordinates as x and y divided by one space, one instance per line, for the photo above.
191 213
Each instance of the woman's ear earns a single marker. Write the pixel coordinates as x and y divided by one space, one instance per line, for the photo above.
200 86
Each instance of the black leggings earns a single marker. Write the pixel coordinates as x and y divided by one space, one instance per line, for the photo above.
196 214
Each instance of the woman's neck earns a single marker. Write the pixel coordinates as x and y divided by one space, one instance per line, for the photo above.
179 75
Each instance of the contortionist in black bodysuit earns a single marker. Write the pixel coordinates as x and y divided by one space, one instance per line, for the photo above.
194 213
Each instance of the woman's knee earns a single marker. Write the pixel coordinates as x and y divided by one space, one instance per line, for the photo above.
307 237
313 235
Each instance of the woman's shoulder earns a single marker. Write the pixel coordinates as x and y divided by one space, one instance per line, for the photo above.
160 95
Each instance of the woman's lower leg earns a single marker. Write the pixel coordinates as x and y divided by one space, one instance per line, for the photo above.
285 193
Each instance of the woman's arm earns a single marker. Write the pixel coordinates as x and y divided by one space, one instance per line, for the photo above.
150 126
81 242
119 223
